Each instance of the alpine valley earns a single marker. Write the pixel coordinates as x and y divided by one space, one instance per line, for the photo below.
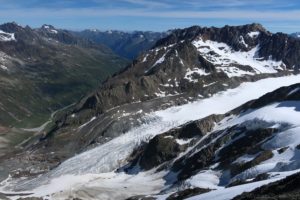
200 113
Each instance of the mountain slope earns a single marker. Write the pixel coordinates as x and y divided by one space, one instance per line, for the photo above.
187 65
227 153
51 69
183 67
125 44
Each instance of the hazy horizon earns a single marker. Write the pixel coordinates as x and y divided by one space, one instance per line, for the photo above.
152 15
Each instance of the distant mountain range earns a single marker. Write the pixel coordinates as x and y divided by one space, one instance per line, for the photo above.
125 44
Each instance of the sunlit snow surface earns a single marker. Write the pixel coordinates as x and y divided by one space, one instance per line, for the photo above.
84 170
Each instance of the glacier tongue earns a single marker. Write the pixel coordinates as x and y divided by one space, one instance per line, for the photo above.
111 155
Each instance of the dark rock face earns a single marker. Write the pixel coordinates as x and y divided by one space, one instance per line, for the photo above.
160 149
288 188
279 46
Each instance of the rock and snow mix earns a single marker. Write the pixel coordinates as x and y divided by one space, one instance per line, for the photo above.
227 60
50 29
190 72
280 165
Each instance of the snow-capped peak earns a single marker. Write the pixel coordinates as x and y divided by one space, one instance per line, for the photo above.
94 30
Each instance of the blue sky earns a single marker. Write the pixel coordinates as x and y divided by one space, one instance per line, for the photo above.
156 15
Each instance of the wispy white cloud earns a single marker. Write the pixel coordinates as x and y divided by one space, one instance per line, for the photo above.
148 4
184 14
157 13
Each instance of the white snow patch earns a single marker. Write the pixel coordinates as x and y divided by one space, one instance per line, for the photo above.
159 61
145 58
205 179
167 85
183 142
6 37
83 125
54 31
3 67
241 39
207 85
245 158
254 34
